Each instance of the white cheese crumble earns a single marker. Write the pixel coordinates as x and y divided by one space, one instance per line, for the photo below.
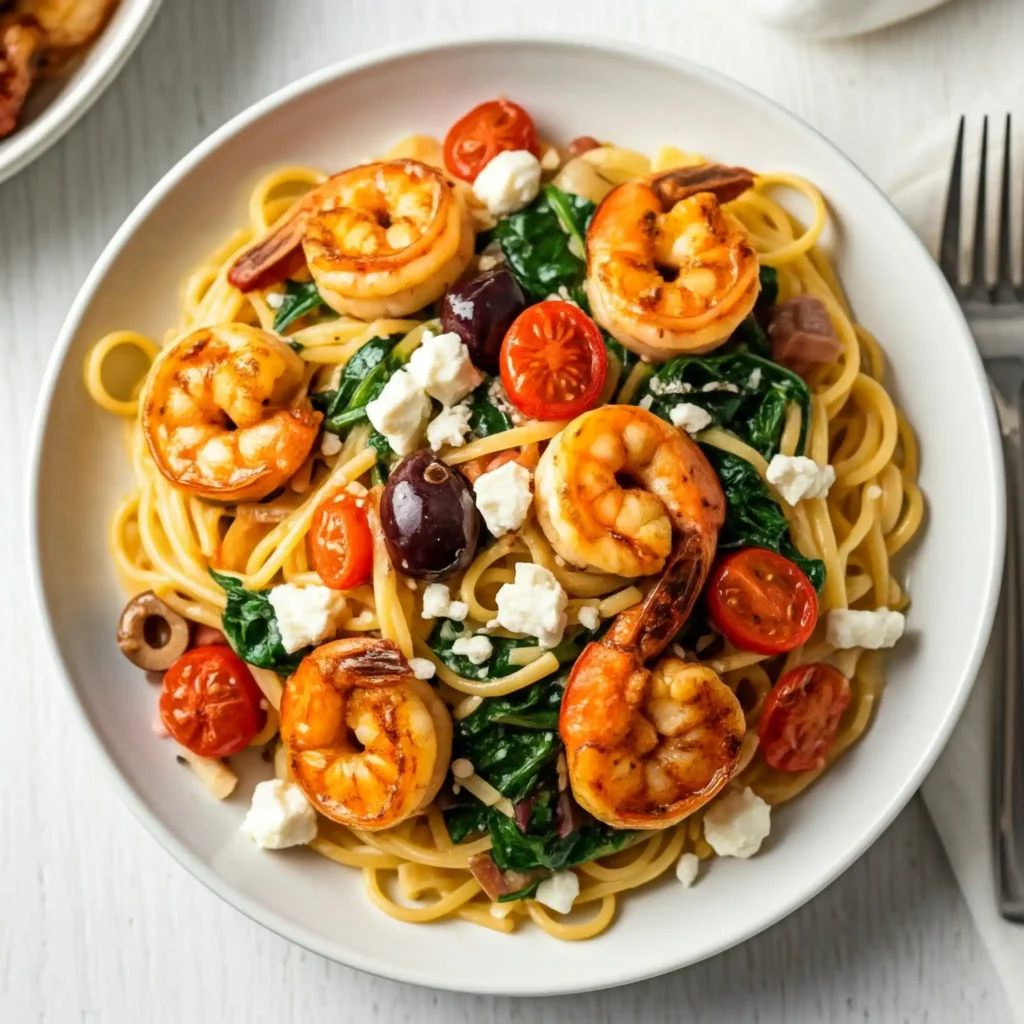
305 615
669 387
477 648
797 477
534 604
562 295
869 629
330 445
559 892
438 604
275 300
449 427
736 824
503 497
689 417
722 385
442 367
422 668
280 816
400 411
510 181
589 617
754 380
686 869
498 397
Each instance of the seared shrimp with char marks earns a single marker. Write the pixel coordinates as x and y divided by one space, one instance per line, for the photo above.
367 741
68 24
222 415
617 483
380 240
21 44
668 269
646 747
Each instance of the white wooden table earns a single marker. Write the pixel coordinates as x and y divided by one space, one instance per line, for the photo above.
96 922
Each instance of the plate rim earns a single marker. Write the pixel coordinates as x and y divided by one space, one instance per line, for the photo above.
60 116
299 935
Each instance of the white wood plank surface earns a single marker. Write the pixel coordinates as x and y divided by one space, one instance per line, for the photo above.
96 922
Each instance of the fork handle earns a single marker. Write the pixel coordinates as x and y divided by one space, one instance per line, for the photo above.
1009 748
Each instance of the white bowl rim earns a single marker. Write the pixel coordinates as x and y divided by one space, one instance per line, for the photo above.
112 49
394 970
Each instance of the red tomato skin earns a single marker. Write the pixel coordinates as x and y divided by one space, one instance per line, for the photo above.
801 717
546 343
211 724
340 533
479 136
751 636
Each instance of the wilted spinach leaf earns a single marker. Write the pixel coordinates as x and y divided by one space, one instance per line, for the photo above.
300 298
251 627
485 417
543 244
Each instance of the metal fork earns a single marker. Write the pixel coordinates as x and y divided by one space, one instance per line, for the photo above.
996 317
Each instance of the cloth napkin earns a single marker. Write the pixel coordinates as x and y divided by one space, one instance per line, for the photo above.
958 792
831 19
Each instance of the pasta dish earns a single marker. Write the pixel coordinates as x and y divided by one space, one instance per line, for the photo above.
529 507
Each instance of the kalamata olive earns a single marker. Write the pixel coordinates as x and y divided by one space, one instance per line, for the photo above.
480 311
429 518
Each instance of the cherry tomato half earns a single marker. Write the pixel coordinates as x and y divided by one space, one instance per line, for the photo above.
800 717
210 702
340 543
479 136
760 601
553 361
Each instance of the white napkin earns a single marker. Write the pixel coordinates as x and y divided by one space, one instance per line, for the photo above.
958 791
831 19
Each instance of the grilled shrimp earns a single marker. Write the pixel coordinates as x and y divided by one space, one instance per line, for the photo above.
21 44
367 741
381 240
647 746
68 24
616 483
668 269
220 414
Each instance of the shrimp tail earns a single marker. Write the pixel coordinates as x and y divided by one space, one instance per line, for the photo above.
272 259
726 183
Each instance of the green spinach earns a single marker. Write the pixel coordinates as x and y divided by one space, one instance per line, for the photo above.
485 417
300 298
543 244
251 627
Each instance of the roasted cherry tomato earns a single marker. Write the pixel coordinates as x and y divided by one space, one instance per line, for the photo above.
553 361
800 717
210 702
479 136
340 543
760 601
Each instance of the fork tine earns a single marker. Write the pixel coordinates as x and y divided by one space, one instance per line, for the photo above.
949 246
1004 291
978 289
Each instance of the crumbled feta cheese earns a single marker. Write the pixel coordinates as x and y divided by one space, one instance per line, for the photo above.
721 385
796 477
422 668
449 427
686 869
280 816
589 617
736 824
562 295
869 629
534 604
491 257
461 307
689 417
559 892
305 615
754 380
646 402
442 367
275 300
503 497
330 445
669 387
438 604
462 768
400 411
510 181
498 397
874 491
477 648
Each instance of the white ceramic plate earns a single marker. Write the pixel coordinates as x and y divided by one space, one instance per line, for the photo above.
59 102
640 99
